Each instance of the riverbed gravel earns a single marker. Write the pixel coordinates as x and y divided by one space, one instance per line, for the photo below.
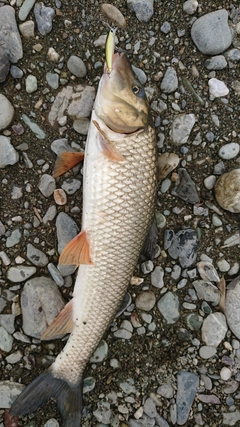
171 356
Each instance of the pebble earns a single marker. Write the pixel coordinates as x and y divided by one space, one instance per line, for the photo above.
4 65
50 214
9 390
71 185
76 66
34 127
31 84
194 321
6 113
166 163
233 55
227 191
210 181
165 27
185 188
144 421
209 398
223 265
182 246
81 125
231 418
9 156
9 34
25 9
225 373
55 274
206 352
157 276
190 6
51 423
168 305
88 384
181 128
216 63
20 273
66 230
232 306
36 256
217 88
47 185
103 414
44 17
6 340
145 300
7 321
170 81
229 151
27 29
53 80
37 308
149 408
207 291
100 353
114 14
211 33
214 329
147 267
60 197
166 390
187 384
142 8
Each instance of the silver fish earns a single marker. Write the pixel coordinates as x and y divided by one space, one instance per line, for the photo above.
118 205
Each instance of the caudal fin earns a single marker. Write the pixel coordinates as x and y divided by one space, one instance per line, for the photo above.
40 390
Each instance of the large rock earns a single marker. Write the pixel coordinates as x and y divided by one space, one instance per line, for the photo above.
6 112
9 156
9 34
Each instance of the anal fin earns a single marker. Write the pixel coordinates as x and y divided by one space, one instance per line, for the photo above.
61 325
77 251
65 161
107 147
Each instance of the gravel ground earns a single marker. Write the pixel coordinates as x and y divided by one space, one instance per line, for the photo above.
166 362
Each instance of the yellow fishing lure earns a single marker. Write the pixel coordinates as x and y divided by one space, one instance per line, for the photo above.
109 48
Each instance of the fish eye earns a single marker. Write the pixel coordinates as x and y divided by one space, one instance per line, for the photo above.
136 90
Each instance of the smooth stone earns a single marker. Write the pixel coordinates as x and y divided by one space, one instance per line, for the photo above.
194 321
207 291
55 274
34 127
100 353
165 27
53 80
217 88
181 128
7 321
103 413
44 17
225 373
49 214
157 276
47 185
145 300
149 407
9 156
214 329
216 63
6 114
227 192
66 230
6 340
232 306
231 418
223 265
170 81
142 8
144 421
81 125
166 390
187 384
14 238
161 422
9 390
25 9
140 74
190 6
211 33
71 185
9 34
31 84
206 352
27 29
76 66
210 181
37 308
36 256
88 384
60 197
168 305
229 151
4 65
233 55
51 423
20 273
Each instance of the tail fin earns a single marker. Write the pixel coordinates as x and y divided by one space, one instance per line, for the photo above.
40 390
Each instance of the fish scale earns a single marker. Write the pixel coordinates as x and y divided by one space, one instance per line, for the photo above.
116 236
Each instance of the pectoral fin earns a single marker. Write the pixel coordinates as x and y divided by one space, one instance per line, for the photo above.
65 161
107 147
77 251
61 325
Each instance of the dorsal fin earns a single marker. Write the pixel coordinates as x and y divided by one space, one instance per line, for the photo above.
61 325
65 161
77 251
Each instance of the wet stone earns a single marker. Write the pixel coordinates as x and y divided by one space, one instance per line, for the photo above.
36 256
187 384
168 305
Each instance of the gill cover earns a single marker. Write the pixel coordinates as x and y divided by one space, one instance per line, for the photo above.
121 101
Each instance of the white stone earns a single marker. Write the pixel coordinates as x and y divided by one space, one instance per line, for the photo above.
217 88
214 329
225 373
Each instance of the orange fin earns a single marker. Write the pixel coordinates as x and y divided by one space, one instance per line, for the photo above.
107 147
61 325
65 161
77 251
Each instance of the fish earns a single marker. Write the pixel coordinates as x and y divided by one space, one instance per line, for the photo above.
119 194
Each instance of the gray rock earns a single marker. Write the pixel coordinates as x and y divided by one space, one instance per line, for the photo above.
140 74
181 128
9 34
25 9
214 329
166 390
76 66
6 113
8 393
41 302
36 256
190 6
66 230
6 340
47 185
44 17
7 321
142 8
233 55
170 81
211 33
103 413
157 277
182 245
31 84
168 306
216 63
55 274
14 238
187 384
81 125
207 291
4 65
232 306
34 127
145 300
100 353
50 214
71 185
165 27
9 156
53 80
229 151
16 72
161 422
51 423
20 273
150 407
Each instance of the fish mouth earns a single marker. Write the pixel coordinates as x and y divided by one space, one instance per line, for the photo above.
121 102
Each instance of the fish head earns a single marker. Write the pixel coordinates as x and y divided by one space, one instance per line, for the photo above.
121 101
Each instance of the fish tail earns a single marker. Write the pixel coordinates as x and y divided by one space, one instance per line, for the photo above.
45 386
